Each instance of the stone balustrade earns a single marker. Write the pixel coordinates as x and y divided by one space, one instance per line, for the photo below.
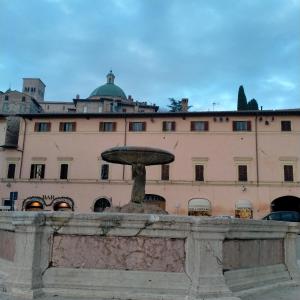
143 257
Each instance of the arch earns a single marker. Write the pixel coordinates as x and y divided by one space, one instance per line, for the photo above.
199 207
286 203
243 209
155 200
63 204
101 204
33 204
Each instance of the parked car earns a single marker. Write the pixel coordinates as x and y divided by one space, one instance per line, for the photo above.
288 216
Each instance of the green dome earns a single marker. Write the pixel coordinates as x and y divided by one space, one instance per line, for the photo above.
109 89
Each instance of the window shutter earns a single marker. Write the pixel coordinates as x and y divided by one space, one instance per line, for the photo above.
74 126
192 126
206 125
243 173
61 126
32 171
165 172
36 126
248 125
234 127
43 172
101 126
130 126
199 172
173 126
144 126
288 173
49 126
114 126
164 126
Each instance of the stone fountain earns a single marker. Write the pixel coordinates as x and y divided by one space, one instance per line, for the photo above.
138 158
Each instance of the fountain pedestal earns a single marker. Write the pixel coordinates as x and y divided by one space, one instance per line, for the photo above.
138 158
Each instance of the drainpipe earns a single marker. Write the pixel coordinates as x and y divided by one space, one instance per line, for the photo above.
125 143
256 152
23 146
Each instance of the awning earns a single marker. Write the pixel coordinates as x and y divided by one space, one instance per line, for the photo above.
199 205
243 204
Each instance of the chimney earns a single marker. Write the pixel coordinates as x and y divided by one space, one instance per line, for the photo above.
184 104
77 96
130 98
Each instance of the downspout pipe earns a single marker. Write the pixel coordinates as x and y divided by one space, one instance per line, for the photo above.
125 143
23 147
256 151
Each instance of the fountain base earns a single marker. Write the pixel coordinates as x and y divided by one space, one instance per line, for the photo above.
141 208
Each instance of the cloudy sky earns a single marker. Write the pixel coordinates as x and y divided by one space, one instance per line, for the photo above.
199 49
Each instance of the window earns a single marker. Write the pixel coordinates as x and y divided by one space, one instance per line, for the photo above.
241 125
199 172
64 171
199 126
85 109
169 126
137 126
23 99
11 171
242 173
37 171
165 172
288 173
107 126
286 126
6 97
5 107
104 171
42 126
67 126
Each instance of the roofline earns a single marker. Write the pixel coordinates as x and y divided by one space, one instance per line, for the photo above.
164 114
35 79
56 102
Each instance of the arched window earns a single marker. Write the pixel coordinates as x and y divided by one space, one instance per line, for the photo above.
199 207
33 204
63 204
101 204
155 200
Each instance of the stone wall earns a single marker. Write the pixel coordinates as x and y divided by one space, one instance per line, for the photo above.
129 256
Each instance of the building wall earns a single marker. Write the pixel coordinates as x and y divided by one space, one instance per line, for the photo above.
18 103
220 150
57 106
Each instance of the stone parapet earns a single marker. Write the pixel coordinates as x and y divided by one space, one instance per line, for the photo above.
139 256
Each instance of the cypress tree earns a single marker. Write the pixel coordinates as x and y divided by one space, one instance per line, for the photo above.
242 100
252 104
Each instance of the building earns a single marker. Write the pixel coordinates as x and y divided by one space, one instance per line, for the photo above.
108 97
242 163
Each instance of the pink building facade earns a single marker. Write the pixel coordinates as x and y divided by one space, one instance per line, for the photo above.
226 163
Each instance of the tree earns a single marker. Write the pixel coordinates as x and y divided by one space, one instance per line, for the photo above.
242 100
176 105
252 104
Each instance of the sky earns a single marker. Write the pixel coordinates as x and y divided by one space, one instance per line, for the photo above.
202 50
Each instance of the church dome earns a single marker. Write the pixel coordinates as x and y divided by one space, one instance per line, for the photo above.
109 89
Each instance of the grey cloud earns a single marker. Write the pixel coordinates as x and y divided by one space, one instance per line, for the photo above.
158 49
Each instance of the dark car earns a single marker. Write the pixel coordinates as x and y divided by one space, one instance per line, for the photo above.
288 216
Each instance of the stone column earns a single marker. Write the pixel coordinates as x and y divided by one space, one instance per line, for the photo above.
138 189
26 277
204 266
290 251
